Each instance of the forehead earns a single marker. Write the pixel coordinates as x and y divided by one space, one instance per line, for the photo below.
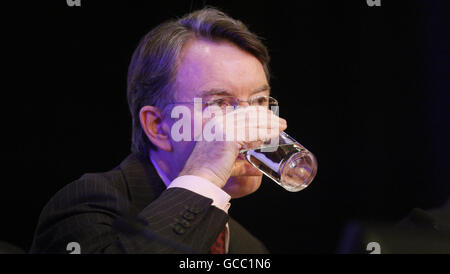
221 65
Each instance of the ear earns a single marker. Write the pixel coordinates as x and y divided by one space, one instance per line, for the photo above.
153 126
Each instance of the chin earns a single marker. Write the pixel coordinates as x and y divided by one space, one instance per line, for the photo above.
240 186
244 181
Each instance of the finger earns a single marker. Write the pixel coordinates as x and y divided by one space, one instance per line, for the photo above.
252 123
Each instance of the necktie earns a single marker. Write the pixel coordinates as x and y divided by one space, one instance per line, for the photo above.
218 246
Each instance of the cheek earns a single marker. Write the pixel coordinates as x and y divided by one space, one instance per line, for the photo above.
183 149
240 186
198 121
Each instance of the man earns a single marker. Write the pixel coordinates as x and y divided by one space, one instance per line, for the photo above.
172 196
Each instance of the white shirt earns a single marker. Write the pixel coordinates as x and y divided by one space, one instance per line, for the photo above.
203 187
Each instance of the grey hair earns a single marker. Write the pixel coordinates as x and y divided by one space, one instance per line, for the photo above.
153 66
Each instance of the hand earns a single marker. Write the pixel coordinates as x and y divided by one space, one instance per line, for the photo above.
213 160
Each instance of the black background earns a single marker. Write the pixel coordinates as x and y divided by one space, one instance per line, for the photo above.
366 89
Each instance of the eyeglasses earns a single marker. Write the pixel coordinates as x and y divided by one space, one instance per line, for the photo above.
231 101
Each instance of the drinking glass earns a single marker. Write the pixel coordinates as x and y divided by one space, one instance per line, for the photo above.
289 163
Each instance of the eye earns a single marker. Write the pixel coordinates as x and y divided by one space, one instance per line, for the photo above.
220 102
260 101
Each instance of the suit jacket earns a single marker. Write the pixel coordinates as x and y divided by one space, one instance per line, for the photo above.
129 210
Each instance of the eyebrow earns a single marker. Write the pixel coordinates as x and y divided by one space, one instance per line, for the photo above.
214 91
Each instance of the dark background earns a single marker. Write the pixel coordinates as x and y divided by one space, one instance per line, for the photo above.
366 89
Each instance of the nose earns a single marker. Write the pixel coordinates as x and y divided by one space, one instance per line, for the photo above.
244 103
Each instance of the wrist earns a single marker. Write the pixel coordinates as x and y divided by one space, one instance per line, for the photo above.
205 174
203 187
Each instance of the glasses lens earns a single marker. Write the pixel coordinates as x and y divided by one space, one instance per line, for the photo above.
222 102
230 101
263 101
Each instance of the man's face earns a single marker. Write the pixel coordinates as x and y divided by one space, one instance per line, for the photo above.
207 66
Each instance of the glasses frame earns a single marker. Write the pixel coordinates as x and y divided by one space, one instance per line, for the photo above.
237 102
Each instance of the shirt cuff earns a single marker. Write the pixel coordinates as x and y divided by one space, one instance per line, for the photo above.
205 188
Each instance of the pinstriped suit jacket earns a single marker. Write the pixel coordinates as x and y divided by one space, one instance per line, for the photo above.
129 210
